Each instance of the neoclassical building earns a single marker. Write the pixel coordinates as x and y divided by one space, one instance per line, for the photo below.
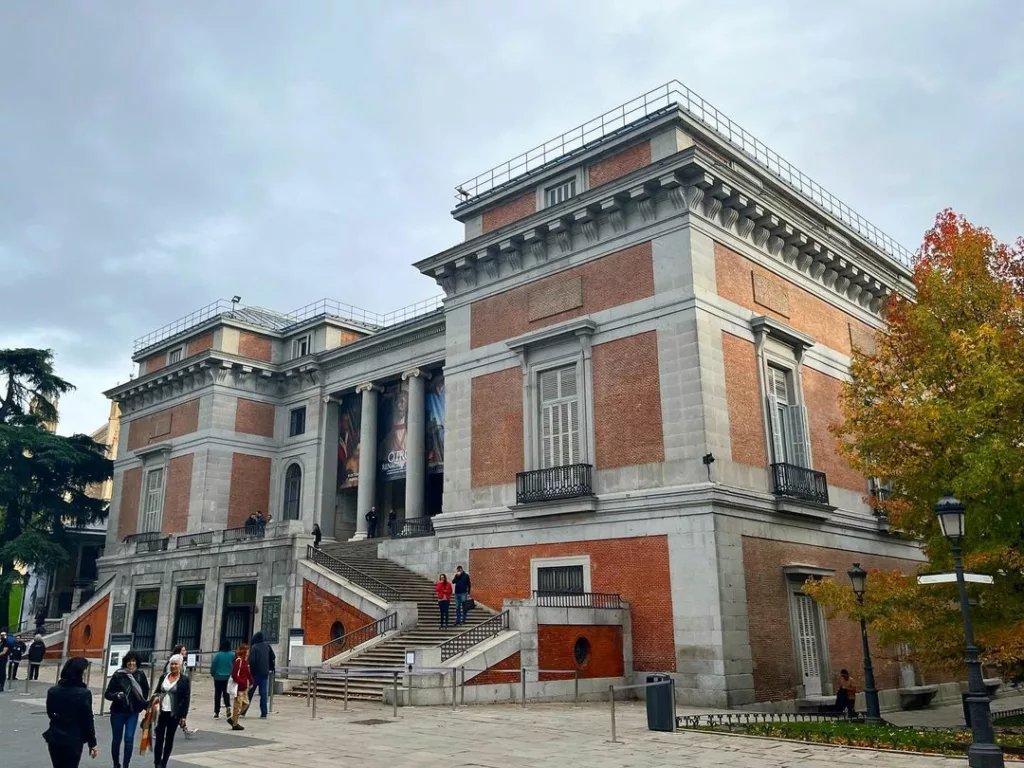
616 417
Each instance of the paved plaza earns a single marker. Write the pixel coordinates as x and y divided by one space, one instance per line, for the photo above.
504 736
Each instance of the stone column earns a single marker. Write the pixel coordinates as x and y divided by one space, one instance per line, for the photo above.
324 512
367 494
415 444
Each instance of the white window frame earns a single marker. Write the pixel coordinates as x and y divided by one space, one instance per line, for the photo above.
297 343
561 411
180 349
537 563
152 522
577 177
781 348
795 578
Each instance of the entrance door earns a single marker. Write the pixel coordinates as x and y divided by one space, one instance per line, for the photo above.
147 601
188 619
239 608
808 643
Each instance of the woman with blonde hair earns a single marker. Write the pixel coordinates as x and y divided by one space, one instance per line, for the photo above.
173 695
238 685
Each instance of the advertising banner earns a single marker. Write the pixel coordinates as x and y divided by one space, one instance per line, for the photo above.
393 408
435 422
349 418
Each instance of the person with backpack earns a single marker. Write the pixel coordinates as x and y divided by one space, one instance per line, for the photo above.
36 653
128 694
261 663
220 671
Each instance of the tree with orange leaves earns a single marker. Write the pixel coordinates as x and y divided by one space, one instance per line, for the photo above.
938 407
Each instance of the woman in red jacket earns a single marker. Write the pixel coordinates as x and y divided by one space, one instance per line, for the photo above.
444 596
241 680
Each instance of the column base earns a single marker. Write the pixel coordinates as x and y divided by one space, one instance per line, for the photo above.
359 536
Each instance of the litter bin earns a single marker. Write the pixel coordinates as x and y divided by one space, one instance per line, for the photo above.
660 712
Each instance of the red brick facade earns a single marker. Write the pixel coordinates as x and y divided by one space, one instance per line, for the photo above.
492 675
821 397
255 347
128 509
497 427
250 487
736 277
167 424
321 609
87 635
743 395
776 674
176 496
627 406
254 418
501 573
513 210
620 164
200 344
192 347
611 281
556 644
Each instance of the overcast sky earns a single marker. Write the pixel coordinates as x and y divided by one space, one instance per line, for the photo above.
156 156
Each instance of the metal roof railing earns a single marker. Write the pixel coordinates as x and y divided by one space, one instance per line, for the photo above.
653 104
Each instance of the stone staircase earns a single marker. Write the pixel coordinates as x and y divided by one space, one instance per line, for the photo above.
390 652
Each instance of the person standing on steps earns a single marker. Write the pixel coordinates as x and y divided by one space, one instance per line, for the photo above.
392 524
128 694
173 694
36 652
69 707
220 671
371 523
444 596
462 587
317 536
238 687
261 663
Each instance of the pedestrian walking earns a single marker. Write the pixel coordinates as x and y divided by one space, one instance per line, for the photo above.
128 694
181 650
238 686
393 524
261 663
173 695
17 653
846 695
220 671
371 523
462 588
36 652
69 708
317 536
444 596
5 659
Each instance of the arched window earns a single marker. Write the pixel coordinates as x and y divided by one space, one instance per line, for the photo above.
292 492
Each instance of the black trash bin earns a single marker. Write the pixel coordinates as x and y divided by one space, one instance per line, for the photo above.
967 709
660 712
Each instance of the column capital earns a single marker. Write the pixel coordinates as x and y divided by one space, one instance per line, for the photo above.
369 386
413 373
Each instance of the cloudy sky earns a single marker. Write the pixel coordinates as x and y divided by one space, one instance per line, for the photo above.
156 156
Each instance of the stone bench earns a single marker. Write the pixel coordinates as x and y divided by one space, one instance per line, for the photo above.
992 685
816 705
917 696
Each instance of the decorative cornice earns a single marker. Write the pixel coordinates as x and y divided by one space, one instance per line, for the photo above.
767 326
580 327
414 372
368 386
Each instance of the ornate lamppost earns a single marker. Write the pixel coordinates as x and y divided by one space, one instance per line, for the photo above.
859 578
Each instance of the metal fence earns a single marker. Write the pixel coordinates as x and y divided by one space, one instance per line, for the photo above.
359 636
463 641
735 719
354 575
577 599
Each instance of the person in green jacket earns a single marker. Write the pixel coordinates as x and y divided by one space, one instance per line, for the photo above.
220 670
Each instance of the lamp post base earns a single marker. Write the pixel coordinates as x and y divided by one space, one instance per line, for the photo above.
984 756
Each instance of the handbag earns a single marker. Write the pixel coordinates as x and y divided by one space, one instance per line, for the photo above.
232 687
470 604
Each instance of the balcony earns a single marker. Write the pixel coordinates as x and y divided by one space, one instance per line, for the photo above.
793 482
571 481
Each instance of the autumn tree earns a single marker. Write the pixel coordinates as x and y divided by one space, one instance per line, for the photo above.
43 476
938 407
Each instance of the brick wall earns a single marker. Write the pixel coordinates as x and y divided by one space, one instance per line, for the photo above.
620 164
153 363
254 418
737 276
496 401
250 487
176 496
87 635
513 210
821 397
618 278
128 508
743 395
320 609
200 344
627 402
776 674
489 676
555 644
637 568
166 424
255 347
192 347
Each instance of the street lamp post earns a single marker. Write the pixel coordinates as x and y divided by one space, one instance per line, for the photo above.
858 578
983 752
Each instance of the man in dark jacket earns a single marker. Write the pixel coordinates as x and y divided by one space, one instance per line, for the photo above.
36 652
17 653
462 587
5 659
69 707
262 662
371 523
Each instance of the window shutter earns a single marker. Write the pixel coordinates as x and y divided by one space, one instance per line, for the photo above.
574 432
798 436
548 386
568 382
546 437
778 446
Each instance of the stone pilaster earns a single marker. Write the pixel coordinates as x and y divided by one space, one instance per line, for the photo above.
415 444
367 493
329 467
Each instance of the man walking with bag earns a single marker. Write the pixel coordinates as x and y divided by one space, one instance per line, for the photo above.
462 588
261 663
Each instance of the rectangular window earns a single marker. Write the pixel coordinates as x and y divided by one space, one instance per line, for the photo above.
175 355
154 501
301 347
297 422
809 642
880 489
559 192
788 421
559 417
561 580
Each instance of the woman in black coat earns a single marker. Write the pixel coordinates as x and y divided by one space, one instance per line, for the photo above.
69 707
174 695
128 694
36 652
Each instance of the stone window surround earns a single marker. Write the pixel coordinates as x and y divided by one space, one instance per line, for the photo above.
557 346
180 348
154 457
306 337
578 175
557 562
795 576
286 465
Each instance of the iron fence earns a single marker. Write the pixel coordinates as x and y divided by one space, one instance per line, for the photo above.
463 641
800 483
244 532
566 482
194 540
346 571
135 538
359 636
153 545
417 526
577 599
736 719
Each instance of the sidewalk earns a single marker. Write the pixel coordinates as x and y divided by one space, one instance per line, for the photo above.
951 716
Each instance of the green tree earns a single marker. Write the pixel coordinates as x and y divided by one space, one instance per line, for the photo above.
44 477
938 407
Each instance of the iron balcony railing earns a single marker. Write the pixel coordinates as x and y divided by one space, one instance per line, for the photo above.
577 599
244 532
417 526
463 641
153 545
801 483
135 538
354 575
567 482
359 636
194 540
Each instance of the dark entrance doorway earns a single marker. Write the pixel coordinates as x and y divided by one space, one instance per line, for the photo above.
239 608
147 603
188 618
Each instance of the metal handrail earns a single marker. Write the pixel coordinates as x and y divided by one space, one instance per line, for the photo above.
577 599
193 539
463 641
153 545
414 527
364 634
354 575
135 538
243 532
662 100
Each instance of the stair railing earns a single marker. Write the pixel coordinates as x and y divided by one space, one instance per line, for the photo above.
359 636
463 641
346 571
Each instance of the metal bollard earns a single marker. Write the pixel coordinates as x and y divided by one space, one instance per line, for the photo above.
522 678
313 714
88 673
309 684
576 688
394 688
462 690
270 697
611 697
453 689
346 689
106 664
672 686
